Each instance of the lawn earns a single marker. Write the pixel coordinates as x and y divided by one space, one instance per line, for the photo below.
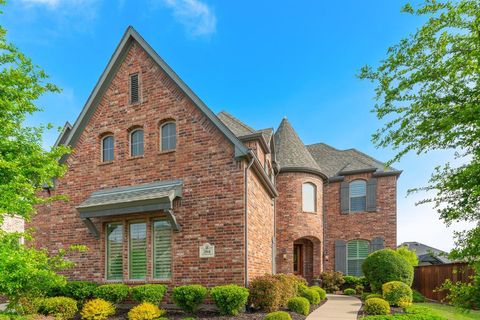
450 312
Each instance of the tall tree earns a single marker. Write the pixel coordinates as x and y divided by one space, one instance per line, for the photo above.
24 165
428 94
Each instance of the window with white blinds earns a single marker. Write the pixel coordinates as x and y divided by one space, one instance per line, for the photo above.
136 143
169 136
137 257
309 197
357 252
107 148
358 195
162 249
114 251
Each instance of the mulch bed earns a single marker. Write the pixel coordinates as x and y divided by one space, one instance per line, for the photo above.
214 315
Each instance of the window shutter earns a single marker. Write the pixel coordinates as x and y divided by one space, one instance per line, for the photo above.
114 251
134 88
377 244
138 251
372 195
341 256
344 198
162 250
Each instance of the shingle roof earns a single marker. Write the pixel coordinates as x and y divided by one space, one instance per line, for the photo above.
290 150
426 253
333 161
236 126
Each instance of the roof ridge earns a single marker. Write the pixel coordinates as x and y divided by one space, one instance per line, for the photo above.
240 122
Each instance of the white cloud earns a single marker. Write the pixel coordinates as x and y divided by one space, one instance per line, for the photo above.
48 3
197 17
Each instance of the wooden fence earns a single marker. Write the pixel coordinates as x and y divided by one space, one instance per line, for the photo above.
428 278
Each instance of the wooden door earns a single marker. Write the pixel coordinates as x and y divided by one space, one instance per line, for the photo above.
298 259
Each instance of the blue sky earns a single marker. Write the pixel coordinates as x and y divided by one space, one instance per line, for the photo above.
259 60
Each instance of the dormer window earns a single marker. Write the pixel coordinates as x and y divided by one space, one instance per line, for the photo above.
134 89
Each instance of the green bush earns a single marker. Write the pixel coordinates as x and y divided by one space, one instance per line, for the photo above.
299 305
321 292
190 297
60 307
229 299
418 297
357 283
396 293
97 309
290 287
312 296
152 293
373 295
79 290
265 293
405 317
386 265
462 295
145 311
377 306
115 293
349 292
278 315
331 281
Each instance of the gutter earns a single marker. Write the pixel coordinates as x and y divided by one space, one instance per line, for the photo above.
252 160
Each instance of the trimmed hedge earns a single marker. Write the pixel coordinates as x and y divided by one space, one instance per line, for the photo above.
229 299
97 309
377 306
386 265
373 295
265 293
114 293
311 295
152 293
299 305
278 315
145 311
321 292
62 308
190 297
397 293
349 292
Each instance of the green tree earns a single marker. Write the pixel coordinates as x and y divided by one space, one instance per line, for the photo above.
24 165
409 255
428 95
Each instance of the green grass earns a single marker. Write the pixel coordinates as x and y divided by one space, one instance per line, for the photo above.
450 312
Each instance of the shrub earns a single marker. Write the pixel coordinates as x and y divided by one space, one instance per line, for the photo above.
189 298
373 295
290 287
405 317
60 307
79 290
395 292
376 306
312 296
152 293
418 297
331 281
115 293
229 299
409 255
322 293
299 305
386 265
145 311
349 292
463 295
359 288
97 309
278 315
265 293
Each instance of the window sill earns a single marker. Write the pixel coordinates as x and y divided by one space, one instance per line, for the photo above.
310 212
167 151
105 163
135 158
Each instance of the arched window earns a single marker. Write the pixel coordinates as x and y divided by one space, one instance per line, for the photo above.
136 143
168 136
107 148
309 197
358 195
357 252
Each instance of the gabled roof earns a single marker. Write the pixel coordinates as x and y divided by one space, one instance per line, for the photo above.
238 127
70 137
426 253
291 153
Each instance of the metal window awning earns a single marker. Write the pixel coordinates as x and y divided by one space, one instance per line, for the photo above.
157 196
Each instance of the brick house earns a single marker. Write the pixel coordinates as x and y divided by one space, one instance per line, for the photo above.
162 190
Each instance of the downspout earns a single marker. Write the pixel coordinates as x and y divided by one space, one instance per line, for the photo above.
274 259
246 215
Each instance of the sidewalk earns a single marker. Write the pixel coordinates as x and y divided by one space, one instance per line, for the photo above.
337 307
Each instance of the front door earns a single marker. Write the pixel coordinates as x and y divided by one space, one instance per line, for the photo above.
298 259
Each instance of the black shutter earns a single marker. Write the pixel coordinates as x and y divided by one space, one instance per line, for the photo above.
377 244
344 197
134 88
341 256
372 195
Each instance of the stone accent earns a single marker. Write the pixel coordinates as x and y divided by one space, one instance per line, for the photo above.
13 224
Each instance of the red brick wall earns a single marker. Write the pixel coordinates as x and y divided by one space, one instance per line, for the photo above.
212 207
360 225
260 228
293 223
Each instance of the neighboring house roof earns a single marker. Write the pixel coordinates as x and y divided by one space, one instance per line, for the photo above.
70 137
291 153
426 253
334 162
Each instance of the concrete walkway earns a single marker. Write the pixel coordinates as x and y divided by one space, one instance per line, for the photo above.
337 307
